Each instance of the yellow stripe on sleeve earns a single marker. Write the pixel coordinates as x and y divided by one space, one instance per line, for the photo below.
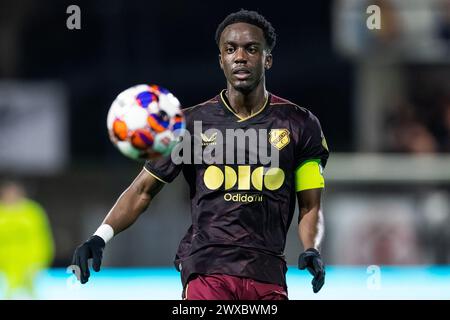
154 175
309 176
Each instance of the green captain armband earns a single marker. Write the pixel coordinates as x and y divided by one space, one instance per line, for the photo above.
308 175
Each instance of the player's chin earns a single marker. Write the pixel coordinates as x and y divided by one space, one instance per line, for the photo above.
244 85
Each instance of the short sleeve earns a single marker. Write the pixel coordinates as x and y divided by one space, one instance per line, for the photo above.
312 143
163 168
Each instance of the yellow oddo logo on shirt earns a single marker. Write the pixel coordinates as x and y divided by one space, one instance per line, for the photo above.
269 178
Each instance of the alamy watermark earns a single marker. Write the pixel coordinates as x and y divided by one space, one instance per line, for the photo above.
234 146
73 22
374 280
73 281
374 20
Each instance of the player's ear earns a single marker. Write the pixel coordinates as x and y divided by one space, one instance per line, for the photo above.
269 61
220 61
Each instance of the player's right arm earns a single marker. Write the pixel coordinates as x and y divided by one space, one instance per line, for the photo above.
130 205
133 201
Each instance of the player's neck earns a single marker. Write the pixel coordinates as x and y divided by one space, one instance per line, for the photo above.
246 104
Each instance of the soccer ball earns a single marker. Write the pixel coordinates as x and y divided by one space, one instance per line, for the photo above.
145 122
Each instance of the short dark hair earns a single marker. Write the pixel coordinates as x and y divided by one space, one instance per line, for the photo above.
250 17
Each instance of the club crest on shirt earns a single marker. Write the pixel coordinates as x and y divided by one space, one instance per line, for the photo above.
279 138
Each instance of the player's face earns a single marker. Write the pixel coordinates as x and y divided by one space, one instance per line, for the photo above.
244 56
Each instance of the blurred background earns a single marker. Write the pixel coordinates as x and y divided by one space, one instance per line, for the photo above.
382 96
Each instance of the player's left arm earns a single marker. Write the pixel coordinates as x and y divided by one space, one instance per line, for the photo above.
310 227
310 231
311 158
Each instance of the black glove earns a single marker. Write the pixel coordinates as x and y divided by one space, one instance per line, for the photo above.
91 249
311 260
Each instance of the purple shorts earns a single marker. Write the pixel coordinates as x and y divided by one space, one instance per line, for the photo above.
225 287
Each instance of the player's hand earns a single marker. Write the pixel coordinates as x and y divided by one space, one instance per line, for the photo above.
311 260
91 249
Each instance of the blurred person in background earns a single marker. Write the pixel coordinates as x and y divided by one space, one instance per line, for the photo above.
414 137
26 242
444 124
408 132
